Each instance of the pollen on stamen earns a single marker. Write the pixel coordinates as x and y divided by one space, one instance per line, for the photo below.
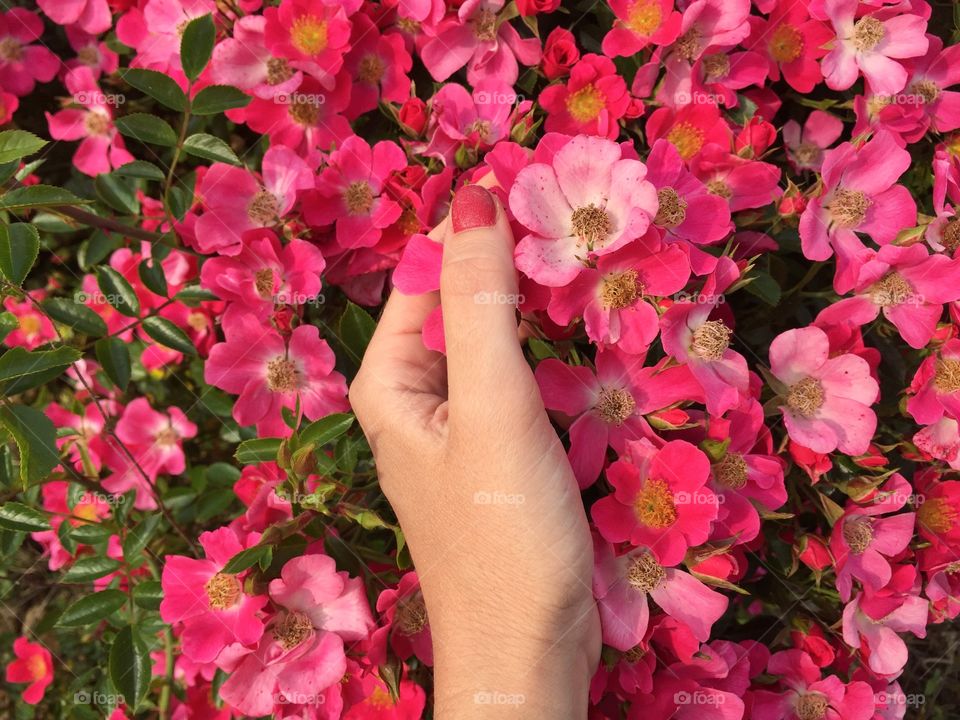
292 629
96 123
654 506
687 45
358 197
645 574
485 25
716 66
947 377
950 237
891 289
411 616
263 208
806 153
223 591
591 224
928 90
848 208
309 34
11 49
278 71
281 375
620 290
937 515
786 43
812 706
858 533
644 17
687 138
867 33
805 397
614 405
264 281
371 69
719 188
672 209
585 104
711 340
303 111
731 472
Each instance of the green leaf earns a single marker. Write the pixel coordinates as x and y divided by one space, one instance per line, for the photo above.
168 334
195 292
137 539
8 323
17 516
89 533
19 248
75 316
88 569
15 144
114 357
148 594
764 287
147 129
118 292
38 196
356 329
140 169
196 45
35 436
215 99
92 608
247 558
209 147
326 429
257 450
153 276
130 666
21 369
157 85
117 192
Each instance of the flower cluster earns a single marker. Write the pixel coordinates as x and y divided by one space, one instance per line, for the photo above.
737 245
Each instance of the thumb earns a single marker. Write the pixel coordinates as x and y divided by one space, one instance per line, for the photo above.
479 295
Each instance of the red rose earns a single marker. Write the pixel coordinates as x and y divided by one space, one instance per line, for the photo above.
528 8
413 115
559 54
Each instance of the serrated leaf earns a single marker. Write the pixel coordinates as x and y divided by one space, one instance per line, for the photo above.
19 248
257 450
215 99
88 569
196 45
140 169
247 559
169 335
22 369
159 86
130 666
114 357
209 147
92 608
75 316
17 516
326 429
147 129
117 192
15 144
38 196
118 292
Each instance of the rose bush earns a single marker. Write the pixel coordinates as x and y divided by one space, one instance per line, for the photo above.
736 243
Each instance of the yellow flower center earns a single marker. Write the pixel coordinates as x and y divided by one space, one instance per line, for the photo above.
644 17
309 34
848 207
30 324
805 397
937 515
716 66
867 33
96 123
688 44
371 69
585 104
10 49
654 506
687 138
620 290
282 375
786 43
891 289
223 591
719 188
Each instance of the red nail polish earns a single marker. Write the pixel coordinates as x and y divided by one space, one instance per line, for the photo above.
472 207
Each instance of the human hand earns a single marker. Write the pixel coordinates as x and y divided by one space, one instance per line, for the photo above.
481 484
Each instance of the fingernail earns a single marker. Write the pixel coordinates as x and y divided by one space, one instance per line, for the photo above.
472 207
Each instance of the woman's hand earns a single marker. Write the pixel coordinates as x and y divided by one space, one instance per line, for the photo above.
481 485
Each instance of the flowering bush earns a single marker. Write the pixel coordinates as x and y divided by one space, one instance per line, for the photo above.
736 242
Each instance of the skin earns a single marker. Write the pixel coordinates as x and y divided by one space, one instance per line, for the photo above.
483 490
